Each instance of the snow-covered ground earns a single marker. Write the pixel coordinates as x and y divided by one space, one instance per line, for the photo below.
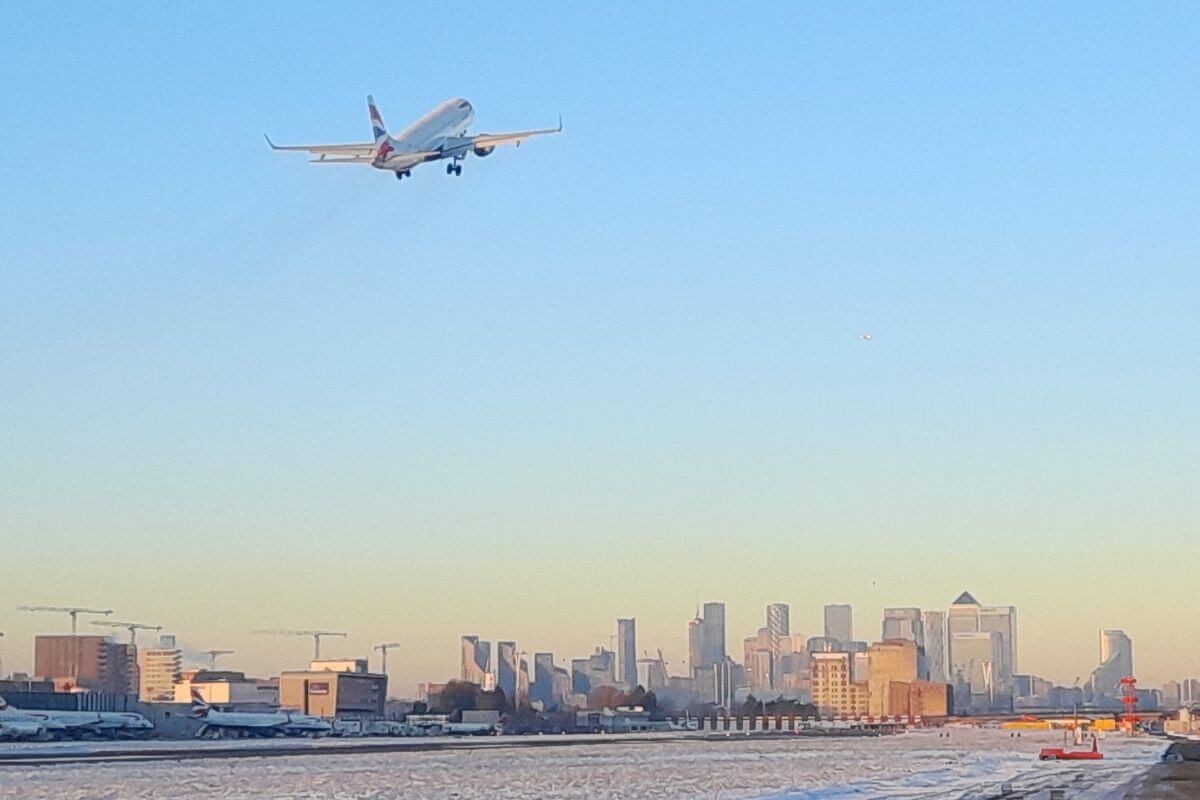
968 764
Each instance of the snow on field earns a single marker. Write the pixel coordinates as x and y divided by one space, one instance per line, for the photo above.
971 763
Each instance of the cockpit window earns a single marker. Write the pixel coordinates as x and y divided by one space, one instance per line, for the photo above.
464 104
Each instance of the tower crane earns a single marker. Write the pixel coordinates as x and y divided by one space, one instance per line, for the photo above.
212 656
383 648
132 627
316 636
74 611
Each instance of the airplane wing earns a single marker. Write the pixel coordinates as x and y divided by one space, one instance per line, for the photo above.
358 149
494 139
357 153
394 160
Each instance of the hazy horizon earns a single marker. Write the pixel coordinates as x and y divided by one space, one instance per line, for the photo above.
603 372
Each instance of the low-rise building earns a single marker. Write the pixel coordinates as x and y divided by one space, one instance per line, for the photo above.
917 699
889 662
85 661
333 694
225 688
159 669
834 691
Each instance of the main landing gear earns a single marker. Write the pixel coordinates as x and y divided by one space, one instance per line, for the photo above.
454 169
405 174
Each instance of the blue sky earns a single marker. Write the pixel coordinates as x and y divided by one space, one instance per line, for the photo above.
629 351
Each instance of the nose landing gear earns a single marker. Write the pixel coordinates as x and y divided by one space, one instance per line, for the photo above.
405 174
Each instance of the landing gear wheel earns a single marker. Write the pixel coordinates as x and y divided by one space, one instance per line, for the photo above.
457 169
449 169
408 173
399 176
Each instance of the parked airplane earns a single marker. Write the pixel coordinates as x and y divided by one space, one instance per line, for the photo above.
440 134
16 724
217 724
76 724
13 729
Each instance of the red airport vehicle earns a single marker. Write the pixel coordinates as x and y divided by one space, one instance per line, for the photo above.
1062 754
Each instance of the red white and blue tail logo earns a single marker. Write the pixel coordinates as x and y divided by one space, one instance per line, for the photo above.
377 126
200 708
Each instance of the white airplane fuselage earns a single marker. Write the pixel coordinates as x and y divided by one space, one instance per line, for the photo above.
269 723
436 131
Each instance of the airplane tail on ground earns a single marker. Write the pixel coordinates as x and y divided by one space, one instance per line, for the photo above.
377 126
200 708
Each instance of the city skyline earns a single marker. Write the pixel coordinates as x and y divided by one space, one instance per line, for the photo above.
485 650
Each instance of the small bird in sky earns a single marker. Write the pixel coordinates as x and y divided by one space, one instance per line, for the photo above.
865 337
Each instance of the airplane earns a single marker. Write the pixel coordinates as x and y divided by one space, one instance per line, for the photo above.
12 729
440 134
235 724
75 724
16 725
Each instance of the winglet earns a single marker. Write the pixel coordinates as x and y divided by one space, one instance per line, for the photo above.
560 123
268 138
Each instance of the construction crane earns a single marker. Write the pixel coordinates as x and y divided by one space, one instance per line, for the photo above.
212 656
132 627
316 635
383 648
74 611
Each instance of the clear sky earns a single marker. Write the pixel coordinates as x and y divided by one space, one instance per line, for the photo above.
603 373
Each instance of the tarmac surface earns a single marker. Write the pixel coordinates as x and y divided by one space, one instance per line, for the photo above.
924 765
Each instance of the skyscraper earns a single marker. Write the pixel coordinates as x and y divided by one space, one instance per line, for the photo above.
476 661
839 623
778 632
777 620
523 682
652 673
695 645
627 652
542 689
976 656
903 623
713 651
581 682
968 616
602 668
934 624
506 668
1116 662
1002 620
551 684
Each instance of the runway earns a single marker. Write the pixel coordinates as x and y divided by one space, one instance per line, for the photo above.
138 752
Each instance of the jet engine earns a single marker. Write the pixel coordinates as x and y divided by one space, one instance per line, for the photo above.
484 151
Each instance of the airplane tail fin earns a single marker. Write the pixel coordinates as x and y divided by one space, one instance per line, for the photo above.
377 126
200 708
